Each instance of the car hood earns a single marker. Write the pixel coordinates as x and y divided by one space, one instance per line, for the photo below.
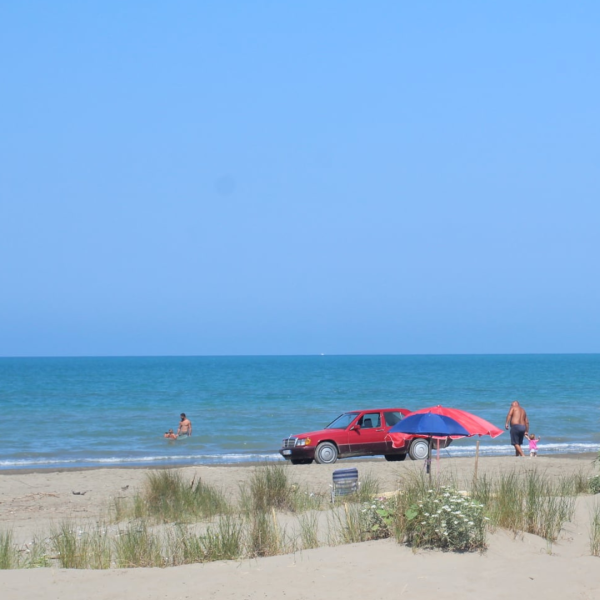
318 432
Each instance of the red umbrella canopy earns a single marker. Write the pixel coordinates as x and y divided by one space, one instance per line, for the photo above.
472 423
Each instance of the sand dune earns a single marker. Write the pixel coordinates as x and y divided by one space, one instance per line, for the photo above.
521 565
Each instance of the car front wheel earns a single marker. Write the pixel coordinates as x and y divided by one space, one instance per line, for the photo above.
419 449
326 453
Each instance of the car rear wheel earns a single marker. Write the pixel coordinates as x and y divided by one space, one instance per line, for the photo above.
395 457
301 461
419 449
326 453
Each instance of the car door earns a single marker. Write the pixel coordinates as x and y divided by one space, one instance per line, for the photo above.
367 436
390 418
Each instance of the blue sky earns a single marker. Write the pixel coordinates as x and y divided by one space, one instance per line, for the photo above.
299 177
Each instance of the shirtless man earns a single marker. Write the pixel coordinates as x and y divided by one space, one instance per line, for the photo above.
185 426
519 426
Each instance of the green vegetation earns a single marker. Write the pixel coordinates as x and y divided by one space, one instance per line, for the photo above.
8 553
174 522
270 488
167 498
528 502
595 530
444 518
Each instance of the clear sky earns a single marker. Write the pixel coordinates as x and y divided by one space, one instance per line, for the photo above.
295 177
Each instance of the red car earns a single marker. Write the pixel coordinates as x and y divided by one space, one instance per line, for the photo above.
354 433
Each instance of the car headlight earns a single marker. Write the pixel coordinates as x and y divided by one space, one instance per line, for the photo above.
304 442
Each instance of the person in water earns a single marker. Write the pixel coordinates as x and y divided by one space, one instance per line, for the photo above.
170 435
185 426
519 426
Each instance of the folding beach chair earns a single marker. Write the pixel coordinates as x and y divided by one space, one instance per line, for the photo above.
345 481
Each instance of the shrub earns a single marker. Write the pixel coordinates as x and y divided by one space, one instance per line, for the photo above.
378 518
445 519
594 484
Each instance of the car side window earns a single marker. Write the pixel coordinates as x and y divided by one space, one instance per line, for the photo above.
392 417
370 420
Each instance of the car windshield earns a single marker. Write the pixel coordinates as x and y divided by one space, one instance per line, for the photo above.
342 421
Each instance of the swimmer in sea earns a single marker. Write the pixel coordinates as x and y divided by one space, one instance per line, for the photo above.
170 435
185 426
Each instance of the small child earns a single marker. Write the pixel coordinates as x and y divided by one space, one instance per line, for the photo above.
170 435
533 442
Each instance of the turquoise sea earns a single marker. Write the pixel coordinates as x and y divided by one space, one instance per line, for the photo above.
76 412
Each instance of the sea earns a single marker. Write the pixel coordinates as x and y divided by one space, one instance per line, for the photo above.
61 413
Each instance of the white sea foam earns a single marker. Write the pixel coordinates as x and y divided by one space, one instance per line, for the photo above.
452 451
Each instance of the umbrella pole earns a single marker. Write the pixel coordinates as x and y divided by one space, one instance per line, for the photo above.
476 462
429 460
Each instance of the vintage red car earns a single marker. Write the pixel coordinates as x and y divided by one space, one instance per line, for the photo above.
354 433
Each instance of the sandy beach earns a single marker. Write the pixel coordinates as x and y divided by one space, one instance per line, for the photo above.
525 564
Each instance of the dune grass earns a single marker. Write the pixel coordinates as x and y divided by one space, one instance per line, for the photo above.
270 488
167 498
80 547
595 530
8 552
529 502
172 521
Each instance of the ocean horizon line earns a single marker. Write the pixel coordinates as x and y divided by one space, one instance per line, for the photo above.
318 354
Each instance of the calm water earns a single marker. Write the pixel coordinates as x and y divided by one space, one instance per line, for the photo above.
61 412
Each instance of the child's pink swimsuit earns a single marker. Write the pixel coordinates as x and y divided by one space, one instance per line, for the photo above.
533 445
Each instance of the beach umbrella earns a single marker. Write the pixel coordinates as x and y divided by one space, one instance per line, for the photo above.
472 423
430 425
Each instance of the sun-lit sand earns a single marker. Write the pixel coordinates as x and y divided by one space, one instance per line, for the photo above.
31 502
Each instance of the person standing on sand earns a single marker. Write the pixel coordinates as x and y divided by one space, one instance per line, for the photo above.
533 442
185 426
519 426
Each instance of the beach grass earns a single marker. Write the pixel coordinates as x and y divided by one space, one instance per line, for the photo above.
71 547
172 521
137 546
309 530
225 540
167 498
9 557
368 488
264 536
271 488
595 529
348 524
528 502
